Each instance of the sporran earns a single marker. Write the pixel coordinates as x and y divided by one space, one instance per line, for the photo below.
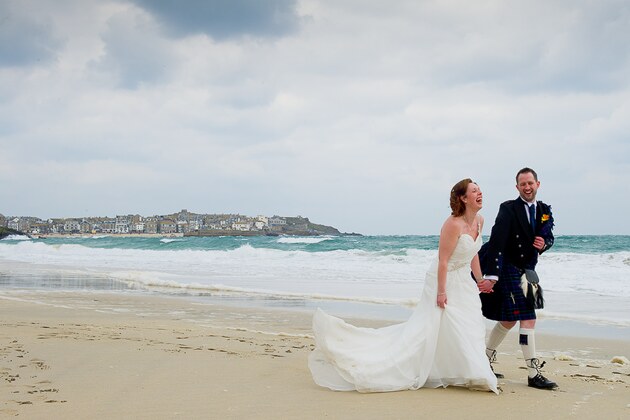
530 284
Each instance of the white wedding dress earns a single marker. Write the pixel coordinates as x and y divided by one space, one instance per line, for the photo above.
434 347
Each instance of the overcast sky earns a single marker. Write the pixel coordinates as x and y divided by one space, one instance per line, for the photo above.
358 114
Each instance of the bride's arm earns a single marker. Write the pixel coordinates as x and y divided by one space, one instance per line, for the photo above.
474 264
476 268
448 241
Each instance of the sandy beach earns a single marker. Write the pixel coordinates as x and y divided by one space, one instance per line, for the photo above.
104 355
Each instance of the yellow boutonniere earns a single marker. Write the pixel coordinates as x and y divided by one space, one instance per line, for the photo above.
544 218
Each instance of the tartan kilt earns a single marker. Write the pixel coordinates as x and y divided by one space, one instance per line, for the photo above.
507 302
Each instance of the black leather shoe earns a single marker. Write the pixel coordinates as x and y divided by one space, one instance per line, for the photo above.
493 358
541 382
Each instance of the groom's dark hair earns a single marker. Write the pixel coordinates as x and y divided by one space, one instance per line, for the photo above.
526 170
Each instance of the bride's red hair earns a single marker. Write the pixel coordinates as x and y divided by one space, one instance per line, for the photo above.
458 207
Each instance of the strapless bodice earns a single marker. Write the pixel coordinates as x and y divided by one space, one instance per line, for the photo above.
464 252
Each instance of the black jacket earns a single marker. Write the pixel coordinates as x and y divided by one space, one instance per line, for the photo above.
511 239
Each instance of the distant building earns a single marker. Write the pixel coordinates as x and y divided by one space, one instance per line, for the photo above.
277 221
194 225
122 224
151 226
136 224
85 226
121 227
182 222
182 226
55 225
183 216
108 226
242 226
261 222
167 226
22 224
71 226
138 227
40 228
14 224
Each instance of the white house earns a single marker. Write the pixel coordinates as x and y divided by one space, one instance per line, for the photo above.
242 226
138 227
14 224
194 224
183 226
277 221
71 226
122 227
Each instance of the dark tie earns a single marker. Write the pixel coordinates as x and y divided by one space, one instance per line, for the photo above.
532 216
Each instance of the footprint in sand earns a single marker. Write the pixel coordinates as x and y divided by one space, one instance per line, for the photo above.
43 390
11 378
39 364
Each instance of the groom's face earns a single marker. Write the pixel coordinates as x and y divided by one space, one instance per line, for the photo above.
527 186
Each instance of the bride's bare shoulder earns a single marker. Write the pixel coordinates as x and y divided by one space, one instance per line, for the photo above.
451 224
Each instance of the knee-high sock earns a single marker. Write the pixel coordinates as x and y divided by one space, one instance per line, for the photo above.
527 340
497 335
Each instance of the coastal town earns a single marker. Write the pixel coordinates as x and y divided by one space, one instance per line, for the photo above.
182 223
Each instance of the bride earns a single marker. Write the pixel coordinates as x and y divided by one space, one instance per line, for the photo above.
443 341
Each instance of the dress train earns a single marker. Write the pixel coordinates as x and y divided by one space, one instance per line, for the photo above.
434 347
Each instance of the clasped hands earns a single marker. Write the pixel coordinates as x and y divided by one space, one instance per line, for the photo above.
485 286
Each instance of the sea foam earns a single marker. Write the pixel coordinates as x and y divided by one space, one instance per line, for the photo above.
588 286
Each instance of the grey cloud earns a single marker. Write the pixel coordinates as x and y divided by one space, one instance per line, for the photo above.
530 46
426 94
133 52
225 19
593 53
25 39
585 50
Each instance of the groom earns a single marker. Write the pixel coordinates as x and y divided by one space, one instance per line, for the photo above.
521 231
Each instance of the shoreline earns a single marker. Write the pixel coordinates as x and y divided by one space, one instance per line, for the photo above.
203 234
17 277
116 235
362 312
106 355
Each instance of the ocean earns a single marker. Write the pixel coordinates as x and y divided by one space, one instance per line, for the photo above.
586 279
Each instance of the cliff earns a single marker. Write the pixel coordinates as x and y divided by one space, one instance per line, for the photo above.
4 232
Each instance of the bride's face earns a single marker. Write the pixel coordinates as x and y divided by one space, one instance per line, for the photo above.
474 197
